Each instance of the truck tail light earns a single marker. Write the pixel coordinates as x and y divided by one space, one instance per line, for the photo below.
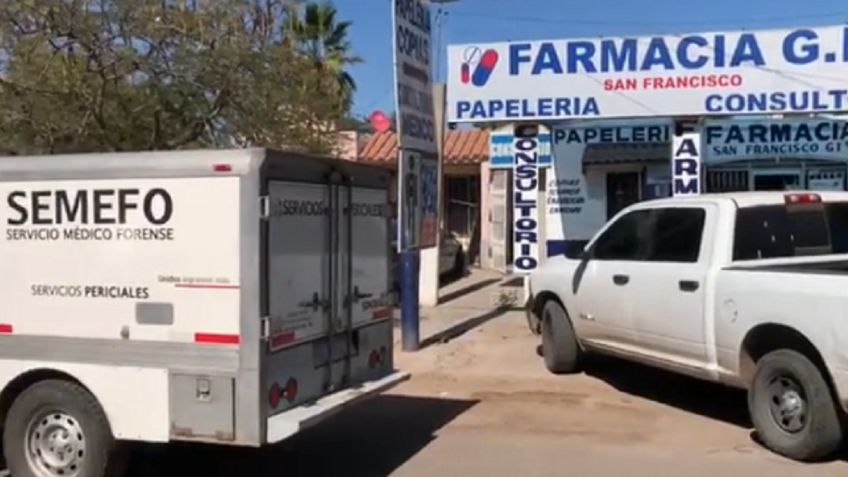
802 198
274 396
291 390
222 168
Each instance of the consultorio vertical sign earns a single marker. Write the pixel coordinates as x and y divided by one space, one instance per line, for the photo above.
525 150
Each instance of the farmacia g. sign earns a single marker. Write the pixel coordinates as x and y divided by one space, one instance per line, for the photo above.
773 71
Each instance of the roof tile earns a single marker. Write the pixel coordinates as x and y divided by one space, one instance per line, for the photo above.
461 147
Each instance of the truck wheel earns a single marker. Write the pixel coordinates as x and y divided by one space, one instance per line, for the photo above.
792 407
56 428
559 343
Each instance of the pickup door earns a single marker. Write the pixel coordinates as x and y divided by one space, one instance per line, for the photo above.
644 284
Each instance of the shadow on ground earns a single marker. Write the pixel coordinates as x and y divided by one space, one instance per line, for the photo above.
466 290
371 439
711 400
461 328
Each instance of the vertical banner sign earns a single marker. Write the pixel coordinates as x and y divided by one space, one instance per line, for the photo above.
526 199
410 218
429 201
686 161
414 87
416 124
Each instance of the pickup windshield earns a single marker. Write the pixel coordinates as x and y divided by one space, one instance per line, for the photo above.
776 231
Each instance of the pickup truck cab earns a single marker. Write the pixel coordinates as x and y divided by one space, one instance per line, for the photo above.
745 289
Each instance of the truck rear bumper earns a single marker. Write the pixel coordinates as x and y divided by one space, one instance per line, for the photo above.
289 423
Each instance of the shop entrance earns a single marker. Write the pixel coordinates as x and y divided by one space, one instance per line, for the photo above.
623 189
777 179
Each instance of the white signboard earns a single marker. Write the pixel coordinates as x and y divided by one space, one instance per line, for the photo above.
807 138
414 87
686 164
526 203
722 73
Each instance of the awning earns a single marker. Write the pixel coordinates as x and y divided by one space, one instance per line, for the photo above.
603 154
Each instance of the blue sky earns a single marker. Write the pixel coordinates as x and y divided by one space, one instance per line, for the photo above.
502 20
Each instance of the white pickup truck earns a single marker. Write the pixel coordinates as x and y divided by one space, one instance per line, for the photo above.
747 289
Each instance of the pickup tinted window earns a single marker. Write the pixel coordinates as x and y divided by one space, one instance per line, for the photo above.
657 235
675 235
777 231
624 239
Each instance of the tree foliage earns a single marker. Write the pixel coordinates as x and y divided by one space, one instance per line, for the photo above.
113 75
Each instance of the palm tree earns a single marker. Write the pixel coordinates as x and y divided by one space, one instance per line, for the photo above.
318 35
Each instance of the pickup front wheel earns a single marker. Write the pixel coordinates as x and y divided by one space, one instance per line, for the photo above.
792 407
559 343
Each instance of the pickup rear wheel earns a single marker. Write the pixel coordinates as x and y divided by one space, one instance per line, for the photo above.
792 407
559 342
56 428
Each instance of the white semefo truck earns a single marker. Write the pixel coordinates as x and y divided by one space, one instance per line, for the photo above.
229 297
747 289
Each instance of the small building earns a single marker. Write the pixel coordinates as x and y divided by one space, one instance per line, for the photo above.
464 153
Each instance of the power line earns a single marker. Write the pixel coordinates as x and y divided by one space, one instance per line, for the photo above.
649 23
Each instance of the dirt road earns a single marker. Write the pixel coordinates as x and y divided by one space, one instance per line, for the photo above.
481 404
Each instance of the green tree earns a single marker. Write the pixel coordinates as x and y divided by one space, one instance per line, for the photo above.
316 33
111 75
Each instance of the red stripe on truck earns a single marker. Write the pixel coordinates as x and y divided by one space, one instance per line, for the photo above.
214 338
381 313
282 339
5 328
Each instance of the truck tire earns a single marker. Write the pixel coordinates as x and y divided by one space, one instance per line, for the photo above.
559 342
792 407
56 428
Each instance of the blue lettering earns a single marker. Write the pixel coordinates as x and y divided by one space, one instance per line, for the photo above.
657 54
525 109
713 133
757 102
797 103
545 106
547 59
563 107
720 51
687 185
845 44
512 106
838 97
809 52
559 135
462 107
581 52
591 107
495 108
778 101
480 110
747 50
683 52
623 58
735 103
713 103
518 53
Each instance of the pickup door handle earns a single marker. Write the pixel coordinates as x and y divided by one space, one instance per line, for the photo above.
689 285
620 280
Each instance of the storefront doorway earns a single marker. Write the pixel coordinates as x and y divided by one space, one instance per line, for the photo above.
623 189
777 179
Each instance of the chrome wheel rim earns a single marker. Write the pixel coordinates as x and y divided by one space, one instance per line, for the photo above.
788 404
55 445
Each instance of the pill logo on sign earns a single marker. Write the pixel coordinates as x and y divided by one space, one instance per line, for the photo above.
481 62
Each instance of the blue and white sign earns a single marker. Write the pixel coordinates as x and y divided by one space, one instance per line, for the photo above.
686 164
526 202
720 73
413 75
501 154
802 138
